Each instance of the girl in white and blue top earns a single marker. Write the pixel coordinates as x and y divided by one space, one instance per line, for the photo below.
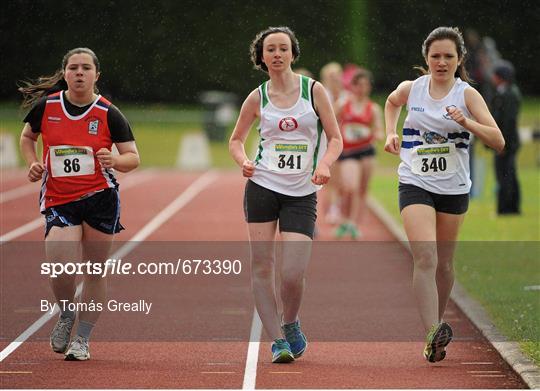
434 151
299 141
444 111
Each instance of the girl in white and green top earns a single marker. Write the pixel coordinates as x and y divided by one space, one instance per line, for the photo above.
299 140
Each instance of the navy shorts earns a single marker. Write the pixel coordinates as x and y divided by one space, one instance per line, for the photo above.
295 214
455 204
358 155
100 211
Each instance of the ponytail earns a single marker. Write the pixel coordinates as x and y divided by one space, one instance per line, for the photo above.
33 90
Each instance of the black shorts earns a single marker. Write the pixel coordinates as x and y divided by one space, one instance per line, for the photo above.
455 204
100 211
295 214
358 155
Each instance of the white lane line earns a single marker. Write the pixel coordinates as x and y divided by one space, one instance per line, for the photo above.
187 195
221 363
129 181
477 363
20 191
488 375
483 371
250 372
22 230
182 200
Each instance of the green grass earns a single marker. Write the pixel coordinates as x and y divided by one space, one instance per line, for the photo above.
496 274
530 113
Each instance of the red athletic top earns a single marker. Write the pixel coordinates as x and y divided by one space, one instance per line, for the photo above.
356 127
69 147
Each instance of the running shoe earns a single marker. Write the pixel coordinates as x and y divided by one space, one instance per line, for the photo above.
78 350
354 232
61 334
295 337
439 336
341 231
281 351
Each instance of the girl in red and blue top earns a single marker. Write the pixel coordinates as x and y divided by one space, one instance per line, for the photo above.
79 193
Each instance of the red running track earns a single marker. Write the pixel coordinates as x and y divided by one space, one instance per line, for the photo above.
358 310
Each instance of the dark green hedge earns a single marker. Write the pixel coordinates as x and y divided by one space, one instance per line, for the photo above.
171 50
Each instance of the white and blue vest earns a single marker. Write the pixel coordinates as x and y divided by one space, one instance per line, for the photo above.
435 149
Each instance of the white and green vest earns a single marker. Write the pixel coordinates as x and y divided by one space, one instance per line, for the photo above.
291 143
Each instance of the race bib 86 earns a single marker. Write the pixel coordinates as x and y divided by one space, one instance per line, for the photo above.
68 160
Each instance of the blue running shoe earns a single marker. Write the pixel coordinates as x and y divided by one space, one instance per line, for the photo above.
281 352
295 337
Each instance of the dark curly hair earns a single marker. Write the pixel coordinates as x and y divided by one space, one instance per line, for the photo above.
256 47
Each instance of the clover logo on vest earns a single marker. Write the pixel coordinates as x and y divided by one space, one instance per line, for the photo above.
288 124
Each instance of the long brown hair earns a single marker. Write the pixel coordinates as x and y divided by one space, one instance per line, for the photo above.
454 35
33 90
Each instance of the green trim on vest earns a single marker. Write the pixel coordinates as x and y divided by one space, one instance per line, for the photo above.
260 148
316 151
264 94
305 87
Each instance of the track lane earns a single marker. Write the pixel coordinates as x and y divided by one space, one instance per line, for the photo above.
210 364
349 363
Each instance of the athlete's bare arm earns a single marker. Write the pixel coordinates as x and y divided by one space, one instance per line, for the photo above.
331 129
392 108
248 113
28 150
127 159
484 126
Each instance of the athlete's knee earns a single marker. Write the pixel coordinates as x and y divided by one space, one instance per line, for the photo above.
292 283
348 189
445 268
425 260
262 268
